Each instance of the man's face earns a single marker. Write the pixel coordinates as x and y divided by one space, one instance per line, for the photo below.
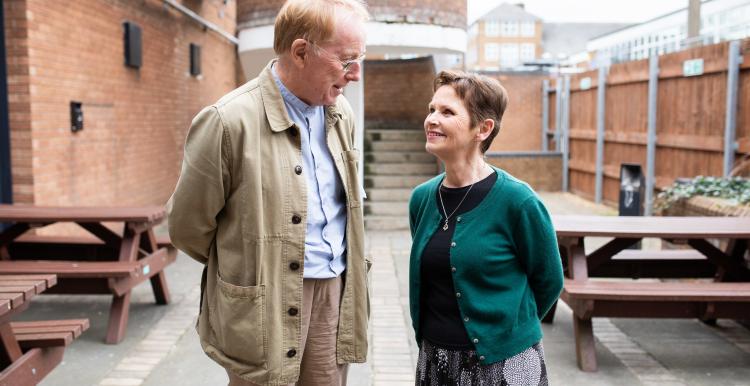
326 77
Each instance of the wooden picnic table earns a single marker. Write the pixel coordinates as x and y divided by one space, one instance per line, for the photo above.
30 350
722 291
107 262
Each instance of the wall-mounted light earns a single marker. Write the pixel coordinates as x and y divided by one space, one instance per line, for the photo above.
195 59
132 44
76 116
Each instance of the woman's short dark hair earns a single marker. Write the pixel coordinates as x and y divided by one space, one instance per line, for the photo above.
484 98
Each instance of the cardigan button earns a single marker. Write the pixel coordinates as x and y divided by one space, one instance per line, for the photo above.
466 319
458 294
475 340
453 244
453 269
458 219
481 357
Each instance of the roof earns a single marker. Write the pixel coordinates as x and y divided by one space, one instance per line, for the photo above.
509 12
570 38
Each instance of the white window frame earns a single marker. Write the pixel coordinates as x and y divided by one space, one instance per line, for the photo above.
509 55
527 52
491 52
491 28
528 28
509 28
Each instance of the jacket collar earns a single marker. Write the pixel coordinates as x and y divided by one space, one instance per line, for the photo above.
276 112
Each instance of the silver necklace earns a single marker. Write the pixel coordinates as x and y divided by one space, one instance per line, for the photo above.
448 216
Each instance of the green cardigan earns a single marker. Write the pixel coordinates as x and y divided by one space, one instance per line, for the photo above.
506 266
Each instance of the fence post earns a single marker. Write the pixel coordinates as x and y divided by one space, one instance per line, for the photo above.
545 113
558 111
565 122
653 82
600 114
730 122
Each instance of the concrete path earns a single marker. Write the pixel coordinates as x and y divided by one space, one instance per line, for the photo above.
161 346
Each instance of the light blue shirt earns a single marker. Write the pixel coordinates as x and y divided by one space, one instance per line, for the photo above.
325 239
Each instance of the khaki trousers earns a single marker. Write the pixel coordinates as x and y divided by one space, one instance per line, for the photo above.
321 299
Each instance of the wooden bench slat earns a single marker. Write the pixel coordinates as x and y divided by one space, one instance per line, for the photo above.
39 285
48 333
16 299
659 291
27 291
67 269
50 279
663 254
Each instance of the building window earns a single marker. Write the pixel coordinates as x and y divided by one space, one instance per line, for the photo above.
490 52
473 30
528 52
491 28
509 28
509 55
528 28
471 55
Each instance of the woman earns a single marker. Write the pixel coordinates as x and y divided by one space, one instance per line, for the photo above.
485 267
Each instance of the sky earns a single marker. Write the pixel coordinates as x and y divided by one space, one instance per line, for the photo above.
589 11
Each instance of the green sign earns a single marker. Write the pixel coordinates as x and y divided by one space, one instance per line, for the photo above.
585 83
693 67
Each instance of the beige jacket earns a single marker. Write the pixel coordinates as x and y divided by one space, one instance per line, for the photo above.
240 208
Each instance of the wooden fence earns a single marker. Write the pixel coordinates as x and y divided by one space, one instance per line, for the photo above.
670 114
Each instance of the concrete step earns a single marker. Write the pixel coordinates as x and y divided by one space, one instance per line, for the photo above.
393 208
396 146
395 135
404 169
386 223
381 157
395 181
385 195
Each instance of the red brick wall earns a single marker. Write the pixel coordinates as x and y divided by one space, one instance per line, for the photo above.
398 91
452 13
521 128
135 121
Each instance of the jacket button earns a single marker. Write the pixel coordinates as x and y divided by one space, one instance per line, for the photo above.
293 131
294 266
296 219
291 353
292 311
298 169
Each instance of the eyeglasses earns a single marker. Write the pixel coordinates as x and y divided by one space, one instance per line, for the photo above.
345 64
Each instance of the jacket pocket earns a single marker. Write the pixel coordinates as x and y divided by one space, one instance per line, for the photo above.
238 321
355 189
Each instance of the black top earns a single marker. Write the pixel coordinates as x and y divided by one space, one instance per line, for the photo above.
440 318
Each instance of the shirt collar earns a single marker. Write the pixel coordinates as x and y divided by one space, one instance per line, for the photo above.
292 99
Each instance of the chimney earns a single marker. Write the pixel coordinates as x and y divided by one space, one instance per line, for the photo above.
519 5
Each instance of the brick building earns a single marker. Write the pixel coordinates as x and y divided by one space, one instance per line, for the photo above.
504 37
134 118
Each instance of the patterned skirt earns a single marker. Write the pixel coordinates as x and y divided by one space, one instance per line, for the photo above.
443 367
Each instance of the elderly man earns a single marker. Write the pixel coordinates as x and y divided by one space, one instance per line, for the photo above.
268 199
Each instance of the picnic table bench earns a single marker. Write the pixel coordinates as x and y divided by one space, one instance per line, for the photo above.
30 350
719 285
106 262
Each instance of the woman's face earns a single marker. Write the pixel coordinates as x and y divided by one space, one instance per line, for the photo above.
447 126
